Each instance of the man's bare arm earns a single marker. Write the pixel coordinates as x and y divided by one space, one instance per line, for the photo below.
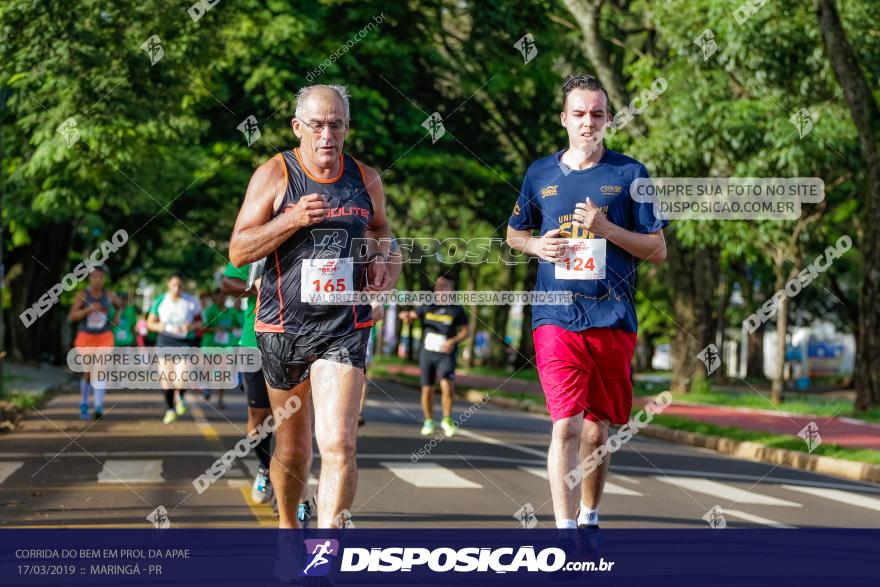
378 233
379 230
256 233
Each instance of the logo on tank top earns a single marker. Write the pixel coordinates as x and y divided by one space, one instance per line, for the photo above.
348 211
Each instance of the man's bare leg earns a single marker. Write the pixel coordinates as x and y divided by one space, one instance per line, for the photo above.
292 457
447 394
562 458
428 401
336 394
593 435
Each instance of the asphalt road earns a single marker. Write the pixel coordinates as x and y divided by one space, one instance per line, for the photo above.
59 471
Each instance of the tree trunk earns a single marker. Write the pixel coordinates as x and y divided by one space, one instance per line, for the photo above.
866 116
34 269
755 362
692 273
721 324
779 372
473 272
754 341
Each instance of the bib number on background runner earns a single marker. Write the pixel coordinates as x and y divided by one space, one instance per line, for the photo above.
327 280
96 320
584 259
221 337
434 342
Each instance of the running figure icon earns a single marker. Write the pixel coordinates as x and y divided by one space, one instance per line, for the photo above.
321 549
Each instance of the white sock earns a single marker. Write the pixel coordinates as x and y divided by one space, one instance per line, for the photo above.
99 397
588 516
565 524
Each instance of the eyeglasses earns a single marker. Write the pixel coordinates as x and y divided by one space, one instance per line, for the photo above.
318 127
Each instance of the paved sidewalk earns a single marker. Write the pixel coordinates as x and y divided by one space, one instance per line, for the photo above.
842 431
33 381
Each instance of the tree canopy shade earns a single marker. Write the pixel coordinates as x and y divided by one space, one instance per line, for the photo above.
126 116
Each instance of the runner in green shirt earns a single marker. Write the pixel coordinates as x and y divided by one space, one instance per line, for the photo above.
235 280
220 321
123 331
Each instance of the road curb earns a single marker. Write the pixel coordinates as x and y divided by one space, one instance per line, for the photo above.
755 451
752 451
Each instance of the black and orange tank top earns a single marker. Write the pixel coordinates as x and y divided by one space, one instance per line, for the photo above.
308 280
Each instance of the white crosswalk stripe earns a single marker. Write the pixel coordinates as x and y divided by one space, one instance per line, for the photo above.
724 491
7 468
610 488
131 471
847 497
429 475
755 519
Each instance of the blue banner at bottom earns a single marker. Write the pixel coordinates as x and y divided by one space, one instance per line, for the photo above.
440 557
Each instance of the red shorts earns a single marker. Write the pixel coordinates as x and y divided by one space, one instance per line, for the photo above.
89 340
586 373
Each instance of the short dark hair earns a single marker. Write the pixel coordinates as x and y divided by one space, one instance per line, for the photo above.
176 274
581 81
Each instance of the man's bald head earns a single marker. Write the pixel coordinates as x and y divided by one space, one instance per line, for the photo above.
321 92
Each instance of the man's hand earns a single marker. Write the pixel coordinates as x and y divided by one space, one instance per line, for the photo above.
308 210
378 312
587 215
551 247
378 278
448 347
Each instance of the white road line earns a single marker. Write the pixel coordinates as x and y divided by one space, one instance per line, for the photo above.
846 497
755 519
506 444
768 479
723 491
131 471
610 488
8 468
429 475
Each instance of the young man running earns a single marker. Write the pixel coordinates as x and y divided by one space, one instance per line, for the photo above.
93 309
593 237
304 208
443 327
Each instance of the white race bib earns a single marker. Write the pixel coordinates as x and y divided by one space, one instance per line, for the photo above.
327 280
434 342
221 337
96 320
584 259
